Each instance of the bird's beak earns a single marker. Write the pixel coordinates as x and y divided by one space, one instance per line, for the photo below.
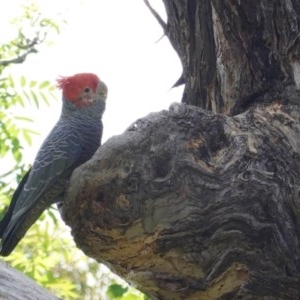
87 100
102 90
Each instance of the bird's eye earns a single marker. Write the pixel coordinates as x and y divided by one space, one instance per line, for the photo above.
86 90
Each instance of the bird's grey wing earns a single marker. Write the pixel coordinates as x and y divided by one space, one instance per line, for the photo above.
59 154
56 160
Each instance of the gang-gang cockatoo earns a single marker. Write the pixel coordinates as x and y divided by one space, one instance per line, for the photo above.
73 140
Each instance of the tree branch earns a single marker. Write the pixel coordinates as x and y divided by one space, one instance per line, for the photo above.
187 203
156 16
17 60
17 286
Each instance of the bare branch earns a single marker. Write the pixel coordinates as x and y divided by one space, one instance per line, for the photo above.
17 60
156 15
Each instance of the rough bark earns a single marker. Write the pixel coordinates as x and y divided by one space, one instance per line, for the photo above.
235 53
203 202
192 205
16 286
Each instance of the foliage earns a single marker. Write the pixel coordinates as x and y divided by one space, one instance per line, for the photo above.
55 263
119 292
13 127
42 259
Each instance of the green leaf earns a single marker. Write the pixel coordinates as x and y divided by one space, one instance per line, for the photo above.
26 95
21 118
20 100
44 84
52 215
27 137
32 131
17 156
11 81
132 296
116 290
35 98
32 83
45 98
23 81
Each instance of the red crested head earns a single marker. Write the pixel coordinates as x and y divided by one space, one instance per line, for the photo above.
74 87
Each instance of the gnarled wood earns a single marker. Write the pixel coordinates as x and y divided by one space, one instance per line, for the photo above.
187 204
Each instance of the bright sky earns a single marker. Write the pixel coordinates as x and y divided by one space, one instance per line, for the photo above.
115 39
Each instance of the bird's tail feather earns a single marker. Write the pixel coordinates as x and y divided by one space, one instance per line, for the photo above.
18 226
12 236
8 215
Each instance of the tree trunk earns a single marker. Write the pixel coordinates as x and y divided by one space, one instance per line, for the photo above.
16 286
236 53
203 202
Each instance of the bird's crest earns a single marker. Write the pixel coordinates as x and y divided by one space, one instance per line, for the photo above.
72 86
